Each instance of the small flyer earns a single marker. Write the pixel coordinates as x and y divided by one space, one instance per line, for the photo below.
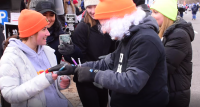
14 17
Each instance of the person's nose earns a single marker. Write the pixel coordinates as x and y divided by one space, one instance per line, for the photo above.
47 33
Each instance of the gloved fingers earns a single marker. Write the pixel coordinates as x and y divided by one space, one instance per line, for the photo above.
65 46
62 51
55 68
60 73
61 46
68 45
76 70
64 72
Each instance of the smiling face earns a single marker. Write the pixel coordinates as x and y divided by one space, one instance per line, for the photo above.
91 10
158 16
41 36
50 17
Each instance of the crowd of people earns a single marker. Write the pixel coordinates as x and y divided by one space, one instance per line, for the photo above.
188 7
137 55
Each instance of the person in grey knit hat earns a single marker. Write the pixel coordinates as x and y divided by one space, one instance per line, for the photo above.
90 2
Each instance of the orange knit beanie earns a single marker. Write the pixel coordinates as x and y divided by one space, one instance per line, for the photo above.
30 22
107 9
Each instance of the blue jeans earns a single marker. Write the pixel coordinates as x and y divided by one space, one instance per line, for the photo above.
181 14
193 16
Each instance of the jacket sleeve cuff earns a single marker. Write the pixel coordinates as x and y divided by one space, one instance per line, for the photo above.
49 78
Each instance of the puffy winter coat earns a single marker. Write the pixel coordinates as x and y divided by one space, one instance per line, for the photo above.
19 80
177 42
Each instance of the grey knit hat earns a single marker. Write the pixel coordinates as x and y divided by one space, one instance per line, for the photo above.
90 2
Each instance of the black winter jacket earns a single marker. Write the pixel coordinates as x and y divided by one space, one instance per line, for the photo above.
194 9
91 42
136 71
78 12
53 42
177 42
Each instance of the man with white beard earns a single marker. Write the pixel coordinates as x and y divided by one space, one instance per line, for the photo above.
136 71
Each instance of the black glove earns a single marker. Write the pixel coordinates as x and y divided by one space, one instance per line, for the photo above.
67 70
66 49
85 74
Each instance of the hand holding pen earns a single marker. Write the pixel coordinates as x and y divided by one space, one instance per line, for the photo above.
63 69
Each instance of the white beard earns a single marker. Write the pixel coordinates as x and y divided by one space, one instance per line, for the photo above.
117 27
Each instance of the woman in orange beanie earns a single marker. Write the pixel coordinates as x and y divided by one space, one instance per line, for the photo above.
24 77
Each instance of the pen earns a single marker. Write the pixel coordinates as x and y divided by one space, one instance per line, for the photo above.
74 61
62 67
79 61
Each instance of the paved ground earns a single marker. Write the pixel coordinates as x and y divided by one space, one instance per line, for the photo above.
72 95
195 88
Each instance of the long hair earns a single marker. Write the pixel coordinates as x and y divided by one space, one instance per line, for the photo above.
88 19
56 26
166 23
6 42
66 5
29 1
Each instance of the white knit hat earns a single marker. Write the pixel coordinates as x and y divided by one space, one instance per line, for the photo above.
90 2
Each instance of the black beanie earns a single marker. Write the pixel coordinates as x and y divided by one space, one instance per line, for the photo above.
139 2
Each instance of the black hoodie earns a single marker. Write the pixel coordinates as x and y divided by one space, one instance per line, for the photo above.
136 71
177 42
